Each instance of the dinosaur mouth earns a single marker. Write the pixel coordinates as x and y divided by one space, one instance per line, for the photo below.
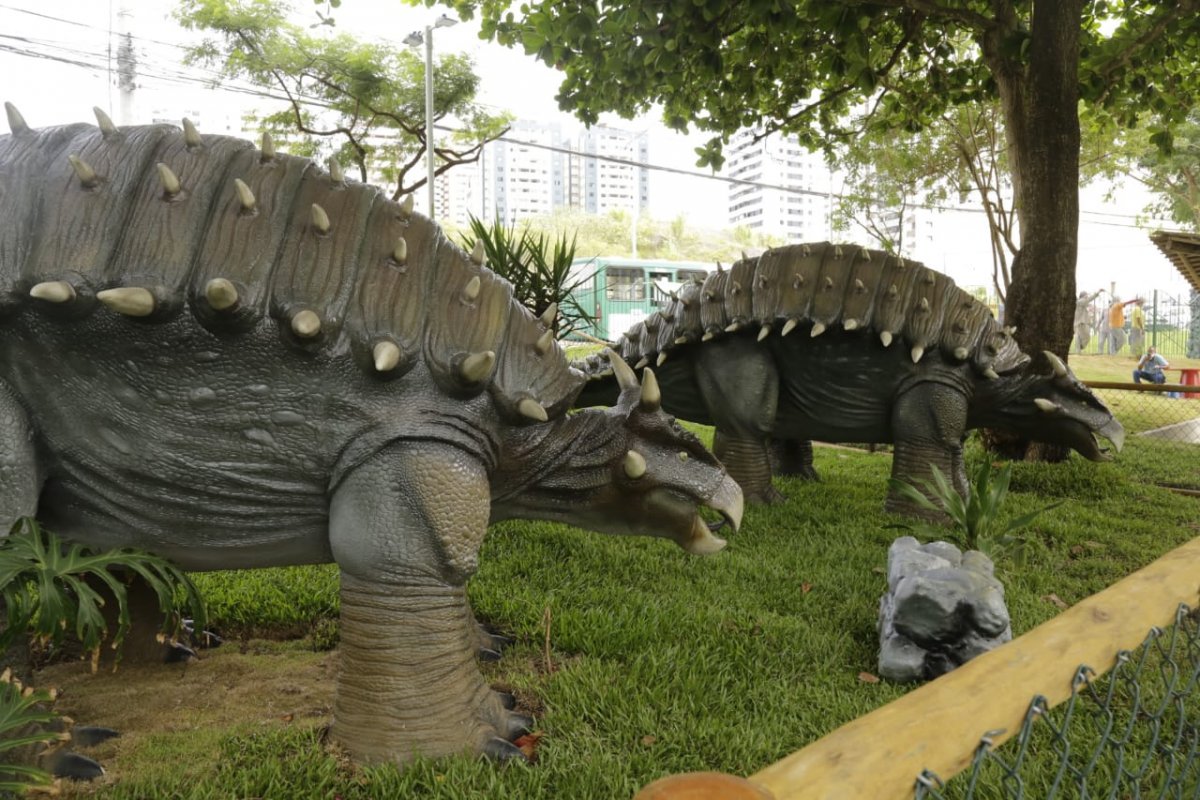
726 501
1083 441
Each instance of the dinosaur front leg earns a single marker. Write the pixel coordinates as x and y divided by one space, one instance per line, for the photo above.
929 422
748 460
405 528
20 478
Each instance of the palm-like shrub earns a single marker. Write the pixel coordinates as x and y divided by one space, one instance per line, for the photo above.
23 717
538 268
48 588
975 521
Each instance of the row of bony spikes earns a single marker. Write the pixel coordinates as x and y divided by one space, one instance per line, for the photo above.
222 294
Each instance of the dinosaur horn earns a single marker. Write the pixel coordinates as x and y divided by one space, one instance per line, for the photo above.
635 464
16 123
1060 369
626 378
651 395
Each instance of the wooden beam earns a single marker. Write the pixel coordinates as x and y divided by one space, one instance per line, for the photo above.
938 725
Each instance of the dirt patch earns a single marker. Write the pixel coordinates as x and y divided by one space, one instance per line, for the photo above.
270 684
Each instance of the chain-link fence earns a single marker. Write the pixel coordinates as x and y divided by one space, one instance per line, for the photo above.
1131 733
1164 320
1162 430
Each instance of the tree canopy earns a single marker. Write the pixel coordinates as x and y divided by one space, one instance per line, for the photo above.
808 67
359 102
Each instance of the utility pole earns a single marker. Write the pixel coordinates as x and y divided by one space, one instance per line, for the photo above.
126 65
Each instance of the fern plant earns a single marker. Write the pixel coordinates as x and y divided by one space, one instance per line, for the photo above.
47 586
975 521
23 717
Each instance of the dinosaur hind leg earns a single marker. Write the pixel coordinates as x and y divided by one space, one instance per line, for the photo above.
20 477
748 461
794 458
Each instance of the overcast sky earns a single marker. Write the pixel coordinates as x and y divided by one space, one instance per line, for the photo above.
48 91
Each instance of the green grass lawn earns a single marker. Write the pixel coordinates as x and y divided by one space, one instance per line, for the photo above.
660 662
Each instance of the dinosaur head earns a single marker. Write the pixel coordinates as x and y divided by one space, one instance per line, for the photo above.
1044 401
628 469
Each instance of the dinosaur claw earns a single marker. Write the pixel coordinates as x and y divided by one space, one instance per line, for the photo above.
487 654
507 699
91 735
65 764
518 726
499 750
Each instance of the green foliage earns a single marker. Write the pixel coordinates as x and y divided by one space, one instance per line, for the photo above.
1172 172
538 267
48 588
23 715
361 103
976 520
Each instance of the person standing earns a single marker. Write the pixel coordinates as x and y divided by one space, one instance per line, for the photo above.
1150 367
1116 325
1083 320
1137 327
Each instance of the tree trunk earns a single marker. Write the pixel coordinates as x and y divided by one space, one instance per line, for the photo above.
1041 109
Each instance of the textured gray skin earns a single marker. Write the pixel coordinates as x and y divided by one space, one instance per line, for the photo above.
843 344
234 435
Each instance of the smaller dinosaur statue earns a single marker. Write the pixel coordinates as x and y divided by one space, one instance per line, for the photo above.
843 344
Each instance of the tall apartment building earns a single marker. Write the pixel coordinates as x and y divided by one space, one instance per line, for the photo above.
798 212
598 185
520 179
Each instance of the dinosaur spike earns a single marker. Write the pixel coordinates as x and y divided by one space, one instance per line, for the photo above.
1010 330
549 315
924 304
733 327
762 281
789 326
643 361
16 123
697 280
929 278
477 252
885 338
221 294
720 269
673 295
471 291
892 290
532 409
709 297
335 171
53 292
191 136
625 377
817 329
320 220
244 194
961 353
107 128
477 366
544 342
798 282
736 288
837 251
87 176
400 251
708 336
990 374
959 326
635 464
169 180
306 324
651 394
744 256
864 254
267 148
828 283
859 286
406 207
681 340
917 352
764 331
132 301
850 324
386 356
686 303
1046 406
1060 369
805 250
662 359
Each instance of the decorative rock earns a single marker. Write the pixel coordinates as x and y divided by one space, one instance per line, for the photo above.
943 607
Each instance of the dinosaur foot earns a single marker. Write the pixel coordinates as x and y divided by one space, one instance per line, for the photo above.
490 642
76 767
767 496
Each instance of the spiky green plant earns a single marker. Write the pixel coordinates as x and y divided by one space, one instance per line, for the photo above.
538 268
975 521
44 585
23 717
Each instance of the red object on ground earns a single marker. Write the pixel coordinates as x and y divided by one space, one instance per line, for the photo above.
703 786
1190 377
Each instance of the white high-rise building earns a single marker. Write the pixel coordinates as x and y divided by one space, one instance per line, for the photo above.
520 179
599 185
797 212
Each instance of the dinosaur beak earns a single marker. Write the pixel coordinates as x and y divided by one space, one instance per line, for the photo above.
727 501
1115 434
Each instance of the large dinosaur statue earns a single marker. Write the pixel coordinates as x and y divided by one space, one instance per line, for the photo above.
233 358
844 344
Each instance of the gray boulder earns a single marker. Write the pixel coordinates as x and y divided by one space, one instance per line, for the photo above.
942 608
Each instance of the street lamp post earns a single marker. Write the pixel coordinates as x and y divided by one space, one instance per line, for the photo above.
416 39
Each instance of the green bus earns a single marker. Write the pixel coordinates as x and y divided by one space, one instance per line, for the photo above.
620 292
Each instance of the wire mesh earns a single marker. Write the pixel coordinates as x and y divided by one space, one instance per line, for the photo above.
1131 733
1162 433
